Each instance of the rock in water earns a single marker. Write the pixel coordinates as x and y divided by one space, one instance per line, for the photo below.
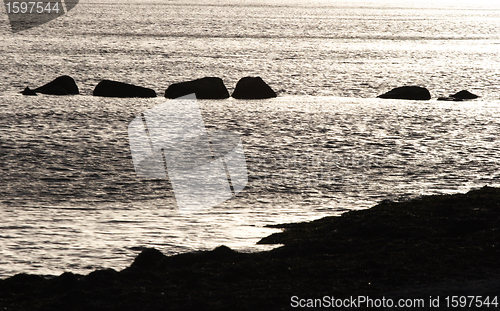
63 85
253 88
204 88
107 88
408 92
29 92
464 95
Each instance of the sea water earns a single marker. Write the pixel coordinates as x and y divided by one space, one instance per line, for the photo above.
70 199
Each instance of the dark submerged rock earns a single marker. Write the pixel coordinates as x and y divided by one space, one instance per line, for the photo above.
252 88
108 88
29 92
464 95
204 88
63 85
408 92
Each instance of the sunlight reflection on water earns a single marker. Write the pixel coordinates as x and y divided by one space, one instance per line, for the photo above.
69 196
71 200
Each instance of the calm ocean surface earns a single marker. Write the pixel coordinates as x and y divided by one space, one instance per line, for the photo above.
71 201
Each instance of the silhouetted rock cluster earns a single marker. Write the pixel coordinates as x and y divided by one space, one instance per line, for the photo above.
204 88
421 93
425 246
214 88
65 85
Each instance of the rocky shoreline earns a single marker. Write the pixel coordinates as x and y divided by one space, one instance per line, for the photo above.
431 246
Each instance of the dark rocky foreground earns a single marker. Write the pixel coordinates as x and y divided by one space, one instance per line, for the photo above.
434 245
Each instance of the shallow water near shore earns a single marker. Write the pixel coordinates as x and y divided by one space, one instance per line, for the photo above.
69 196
